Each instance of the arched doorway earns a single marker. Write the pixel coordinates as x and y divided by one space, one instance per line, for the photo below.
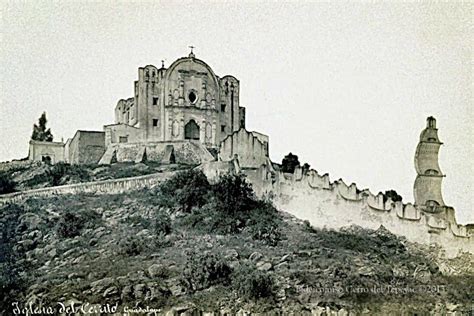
191 130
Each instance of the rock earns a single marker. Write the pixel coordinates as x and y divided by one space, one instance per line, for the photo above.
282 266
74 276
70 251
93 242
35 235
342 312
143 232
234 264
111 291
79 259
231 254
52 253
27 244
255 256
175 287
366 270
127 201
264 266
99 232
285 258
126 292
30 220
139 291
183 310
155 270
100 285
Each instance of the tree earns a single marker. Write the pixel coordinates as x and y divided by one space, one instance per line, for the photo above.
393 195
40 132
289 163
7 185
306 167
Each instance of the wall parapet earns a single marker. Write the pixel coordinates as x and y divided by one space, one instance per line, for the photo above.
311 196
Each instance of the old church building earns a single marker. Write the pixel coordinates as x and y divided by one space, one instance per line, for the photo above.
184 113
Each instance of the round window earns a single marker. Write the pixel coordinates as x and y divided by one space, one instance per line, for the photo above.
192 97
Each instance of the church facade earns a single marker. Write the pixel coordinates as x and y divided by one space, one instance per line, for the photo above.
185 101
184 113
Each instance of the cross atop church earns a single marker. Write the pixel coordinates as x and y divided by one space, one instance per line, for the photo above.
191 54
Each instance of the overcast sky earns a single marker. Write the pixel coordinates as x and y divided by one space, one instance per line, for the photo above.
346 87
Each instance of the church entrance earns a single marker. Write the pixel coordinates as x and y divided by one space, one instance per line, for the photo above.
191 130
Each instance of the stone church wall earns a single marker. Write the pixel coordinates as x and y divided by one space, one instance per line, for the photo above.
250 150
185 152
86 147
335 205
40 150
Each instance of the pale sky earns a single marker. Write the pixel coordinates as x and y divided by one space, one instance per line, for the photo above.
346 87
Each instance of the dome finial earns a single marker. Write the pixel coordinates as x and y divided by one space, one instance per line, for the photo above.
191 54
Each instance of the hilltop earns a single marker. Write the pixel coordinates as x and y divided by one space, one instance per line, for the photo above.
189 245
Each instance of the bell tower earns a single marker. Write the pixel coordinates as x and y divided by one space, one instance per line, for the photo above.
427 188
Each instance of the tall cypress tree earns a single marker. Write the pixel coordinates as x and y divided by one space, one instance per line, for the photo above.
40 132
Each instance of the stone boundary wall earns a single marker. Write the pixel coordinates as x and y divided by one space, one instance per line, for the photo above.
99 187
334 205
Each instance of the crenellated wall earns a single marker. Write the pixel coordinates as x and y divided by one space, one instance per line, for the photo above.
334 205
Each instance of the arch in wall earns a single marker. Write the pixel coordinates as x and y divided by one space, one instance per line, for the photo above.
431 172
191 130
46 158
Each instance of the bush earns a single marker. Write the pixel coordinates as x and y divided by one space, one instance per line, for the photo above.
393 195
13 267
58 171
185 190
131 246
264 224
7 185
289 163
205 269
69 225
234 194
162 224
254 284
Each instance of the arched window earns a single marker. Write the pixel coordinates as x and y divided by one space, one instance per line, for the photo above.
431 172
191 130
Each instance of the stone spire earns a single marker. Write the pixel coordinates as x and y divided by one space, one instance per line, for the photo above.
427 188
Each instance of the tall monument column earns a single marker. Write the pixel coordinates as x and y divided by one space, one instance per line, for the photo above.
427 189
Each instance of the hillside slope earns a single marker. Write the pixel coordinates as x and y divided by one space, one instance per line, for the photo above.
188 245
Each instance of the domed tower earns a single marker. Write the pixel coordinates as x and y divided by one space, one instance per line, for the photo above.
427 189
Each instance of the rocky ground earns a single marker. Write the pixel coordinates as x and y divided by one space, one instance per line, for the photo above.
134 251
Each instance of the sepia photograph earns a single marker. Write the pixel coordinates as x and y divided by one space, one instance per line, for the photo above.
221 158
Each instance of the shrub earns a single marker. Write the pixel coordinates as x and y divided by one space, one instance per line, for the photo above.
13 267
58 171
234 194
289 163
393 195
131 246
264 224
253 284
186 190
69 225
162 224
205 269
308 228
7 185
